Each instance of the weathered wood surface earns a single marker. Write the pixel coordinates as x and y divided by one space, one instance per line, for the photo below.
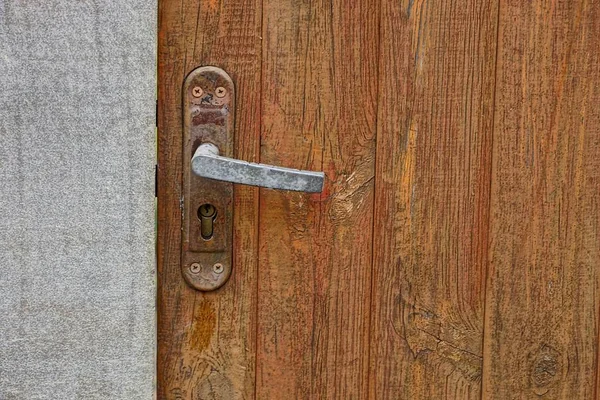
319 106
206 346
455 251
541 330
432 193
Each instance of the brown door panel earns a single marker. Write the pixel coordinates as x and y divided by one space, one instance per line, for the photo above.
454 250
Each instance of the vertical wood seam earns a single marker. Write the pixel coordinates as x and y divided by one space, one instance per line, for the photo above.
375 208
597 361
258 200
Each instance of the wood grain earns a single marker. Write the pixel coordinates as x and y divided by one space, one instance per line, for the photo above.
541 329
432 198
454 252
206 341
319 110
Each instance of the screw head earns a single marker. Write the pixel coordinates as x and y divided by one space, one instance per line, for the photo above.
197 91
220 92
195 268
218 268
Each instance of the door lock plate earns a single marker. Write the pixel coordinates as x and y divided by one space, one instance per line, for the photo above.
208 117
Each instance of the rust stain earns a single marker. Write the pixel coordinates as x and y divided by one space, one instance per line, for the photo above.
203 326
331 177
216 117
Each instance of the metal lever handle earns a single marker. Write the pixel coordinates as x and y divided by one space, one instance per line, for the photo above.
209 164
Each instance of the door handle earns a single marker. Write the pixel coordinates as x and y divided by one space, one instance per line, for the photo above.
208 163
209 172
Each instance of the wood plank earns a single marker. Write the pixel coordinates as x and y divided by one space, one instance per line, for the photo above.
319 110
541 328
206 341
432 198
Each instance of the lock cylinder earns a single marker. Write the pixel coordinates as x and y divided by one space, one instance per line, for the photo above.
207 214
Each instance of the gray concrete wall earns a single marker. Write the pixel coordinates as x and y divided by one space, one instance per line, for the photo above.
77 275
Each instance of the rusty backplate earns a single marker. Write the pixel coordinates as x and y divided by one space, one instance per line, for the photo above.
208 117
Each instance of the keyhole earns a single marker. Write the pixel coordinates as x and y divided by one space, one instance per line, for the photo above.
207 214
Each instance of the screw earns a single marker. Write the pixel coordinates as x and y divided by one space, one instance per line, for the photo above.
220 91
197 91
195 268
218 268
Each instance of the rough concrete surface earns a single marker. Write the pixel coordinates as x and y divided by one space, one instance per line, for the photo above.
77 266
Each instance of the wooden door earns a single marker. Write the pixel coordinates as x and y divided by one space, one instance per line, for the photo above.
455 250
